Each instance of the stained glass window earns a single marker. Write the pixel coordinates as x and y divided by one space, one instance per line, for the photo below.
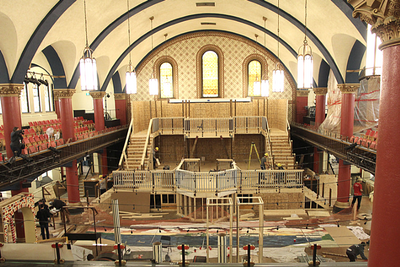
166 81
253 75
210 74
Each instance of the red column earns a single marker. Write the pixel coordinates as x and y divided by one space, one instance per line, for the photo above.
11 108
386 209
301 103
120 107
67 126
319 118
346 130
320 105
56 104
99 122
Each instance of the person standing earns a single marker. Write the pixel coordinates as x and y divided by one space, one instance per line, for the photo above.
154 158
355 250
264 162
43 215
357 193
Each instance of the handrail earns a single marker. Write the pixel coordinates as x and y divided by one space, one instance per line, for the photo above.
147 142
123 155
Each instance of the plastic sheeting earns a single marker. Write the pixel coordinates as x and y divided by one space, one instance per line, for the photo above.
366 108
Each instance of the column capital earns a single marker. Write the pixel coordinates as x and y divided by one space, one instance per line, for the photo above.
120 96
383 16
97 94
348 88
302 93
320 90
11 89
63 93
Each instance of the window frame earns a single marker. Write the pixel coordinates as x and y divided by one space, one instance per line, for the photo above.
36 87
172 77
27 99
199 70
264 72
248 77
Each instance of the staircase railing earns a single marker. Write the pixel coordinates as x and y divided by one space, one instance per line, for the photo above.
146 144
123 155
269 144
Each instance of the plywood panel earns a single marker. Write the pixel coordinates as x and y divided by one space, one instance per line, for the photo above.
132 201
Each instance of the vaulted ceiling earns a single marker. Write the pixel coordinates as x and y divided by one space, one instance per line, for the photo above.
51 33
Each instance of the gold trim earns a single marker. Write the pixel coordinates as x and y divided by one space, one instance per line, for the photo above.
11 89
120 96
302 93
64 93
383 17
320 90
97 94
348 88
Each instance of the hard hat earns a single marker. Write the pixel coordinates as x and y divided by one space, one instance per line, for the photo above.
266 154
156 148
279 165
359 180
100 176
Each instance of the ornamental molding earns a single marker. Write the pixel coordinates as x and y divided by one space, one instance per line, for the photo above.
320 90
97 94
348 88
64 93
302 93
383 16
11 89
120 96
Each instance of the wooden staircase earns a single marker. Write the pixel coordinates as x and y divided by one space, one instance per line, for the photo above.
134 152
282 150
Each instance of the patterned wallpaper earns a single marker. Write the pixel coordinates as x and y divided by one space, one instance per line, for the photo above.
235 50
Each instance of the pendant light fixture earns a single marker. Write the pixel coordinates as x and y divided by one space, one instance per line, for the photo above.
131 82
153 82
264 81
278 73
305 60
87 65
256 84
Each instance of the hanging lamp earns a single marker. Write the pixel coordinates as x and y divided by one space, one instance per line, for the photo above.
87 64
264 81
305 60
131 82
278 75
153 82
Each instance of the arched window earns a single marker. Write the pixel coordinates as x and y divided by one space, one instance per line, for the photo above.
210 82
254 78
166 80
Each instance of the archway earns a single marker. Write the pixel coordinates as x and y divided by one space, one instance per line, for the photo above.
24 202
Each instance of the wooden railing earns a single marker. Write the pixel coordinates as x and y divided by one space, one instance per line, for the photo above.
123 154
232 179
149 131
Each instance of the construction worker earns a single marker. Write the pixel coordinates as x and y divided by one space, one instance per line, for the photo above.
280 176
154 158
264 162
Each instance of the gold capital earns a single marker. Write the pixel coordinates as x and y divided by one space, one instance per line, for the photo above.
11 89
383 16
97 94
64 93
320 90
120 96
348 88
302 93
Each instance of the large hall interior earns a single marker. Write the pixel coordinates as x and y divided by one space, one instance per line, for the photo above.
217 132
